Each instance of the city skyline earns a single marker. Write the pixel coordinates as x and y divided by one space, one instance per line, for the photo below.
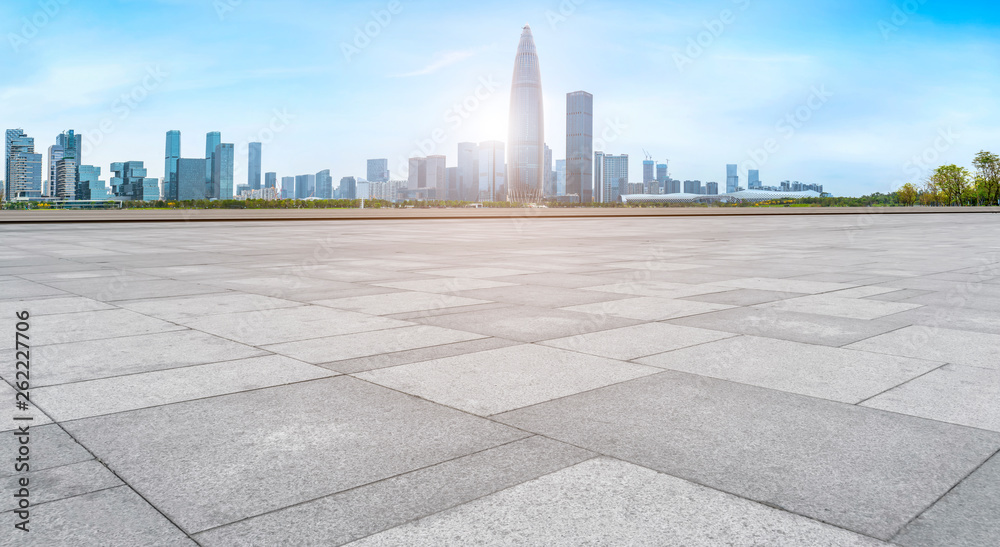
255 98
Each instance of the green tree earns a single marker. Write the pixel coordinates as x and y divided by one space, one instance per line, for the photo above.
907 194
988 177
953 183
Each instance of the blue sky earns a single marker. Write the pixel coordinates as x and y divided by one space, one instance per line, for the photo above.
876 91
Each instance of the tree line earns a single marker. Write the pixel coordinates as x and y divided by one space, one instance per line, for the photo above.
955 186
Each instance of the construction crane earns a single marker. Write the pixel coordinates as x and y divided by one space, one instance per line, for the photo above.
649 157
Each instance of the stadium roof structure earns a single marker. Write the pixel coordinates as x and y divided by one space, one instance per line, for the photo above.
750 196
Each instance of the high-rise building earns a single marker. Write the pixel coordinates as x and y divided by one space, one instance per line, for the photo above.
253 166
270 180
131 183
349 188
223 164
378 170
418 173
712 188
549 186
525 146
692 187
615 176
492 171
468 171
600 195
580 145
324 185
305 186
753 179
91 186
732 178
560 185
172 155
661 176
672 186
191 179
212 140
55 154
287 187
67 175
23 171
648 176
451 174
437 176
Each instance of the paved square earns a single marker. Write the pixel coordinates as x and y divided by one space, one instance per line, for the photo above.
763 380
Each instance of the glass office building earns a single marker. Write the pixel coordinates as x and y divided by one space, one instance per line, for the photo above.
526 142
223 163
580 145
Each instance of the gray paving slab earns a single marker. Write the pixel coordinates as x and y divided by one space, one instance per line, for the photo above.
123 288
807 328
828 373
365 344
351 515
258 451
648 308
413 316
51 306
854 467
400 302
499 380
940 344
609 502
135 391
662 289
565 280
64 328
443 285
274 326
966 517
116 517
58 483
967 319
50 447
536 295
639 341
95 359
837 306
385 360
21 288
478 272
742 297
8 411
187 307
785 285
528 323
956 394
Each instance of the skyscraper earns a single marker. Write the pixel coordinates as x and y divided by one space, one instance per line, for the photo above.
600 195
549 174
270 180
348 188
23 178
732 178
91 186
305 186
418 173
378 170
223 164
580 145
172 155
615 177
437 176
253 166
468 171
63 185
492 171
55 154
191 179
130 182
560 184
661 176
525 147
324 185
212 140
753 179
712 188
287 187
649 176
451 175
